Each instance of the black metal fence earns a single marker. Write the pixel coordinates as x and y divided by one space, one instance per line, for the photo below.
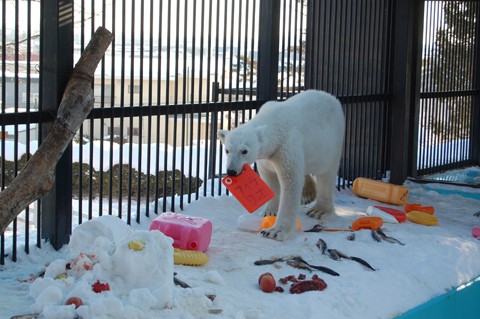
179 70
175 73
349 54
449 90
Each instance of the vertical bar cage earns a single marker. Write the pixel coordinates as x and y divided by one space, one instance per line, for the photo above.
170 79
19 116
348 54
447 86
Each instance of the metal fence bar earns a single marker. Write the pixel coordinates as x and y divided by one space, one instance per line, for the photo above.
15 107
28 107
158 132
55 68
91 133
268 50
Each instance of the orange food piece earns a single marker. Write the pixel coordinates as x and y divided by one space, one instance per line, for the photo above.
419 208
74 301
269 221
267 282
367 223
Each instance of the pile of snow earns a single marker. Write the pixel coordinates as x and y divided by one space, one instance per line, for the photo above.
139 277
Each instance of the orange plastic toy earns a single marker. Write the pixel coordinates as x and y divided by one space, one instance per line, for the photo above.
250 190
419 208
381 191
269 221
367 223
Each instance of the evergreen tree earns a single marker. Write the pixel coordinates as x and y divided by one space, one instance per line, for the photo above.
450 68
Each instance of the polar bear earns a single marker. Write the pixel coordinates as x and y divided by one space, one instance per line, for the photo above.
289 140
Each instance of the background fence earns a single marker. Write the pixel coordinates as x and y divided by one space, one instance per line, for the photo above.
179 70
449 86
350 55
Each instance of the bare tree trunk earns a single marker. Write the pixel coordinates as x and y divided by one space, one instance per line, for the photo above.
36 179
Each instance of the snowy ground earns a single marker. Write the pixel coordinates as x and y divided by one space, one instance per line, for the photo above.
434 260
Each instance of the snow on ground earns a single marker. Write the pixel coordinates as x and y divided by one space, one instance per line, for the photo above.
434 260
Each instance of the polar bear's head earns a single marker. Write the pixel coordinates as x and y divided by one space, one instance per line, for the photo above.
242 146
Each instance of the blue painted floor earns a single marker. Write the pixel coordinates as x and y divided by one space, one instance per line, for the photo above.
469 176
460 303
473 195
464 301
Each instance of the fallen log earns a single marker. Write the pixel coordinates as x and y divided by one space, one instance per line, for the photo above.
37 177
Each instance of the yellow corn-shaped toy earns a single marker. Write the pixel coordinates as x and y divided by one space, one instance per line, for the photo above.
189 257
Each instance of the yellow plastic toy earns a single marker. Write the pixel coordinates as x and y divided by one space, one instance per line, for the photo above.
422 218
269 221
189 257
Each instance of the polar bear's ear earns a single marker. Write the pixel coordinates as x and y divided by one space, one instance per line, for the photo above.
221 134
261 132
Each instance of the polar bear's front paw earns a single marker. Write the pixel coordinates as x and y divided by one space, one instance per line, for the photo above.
320 214
277 233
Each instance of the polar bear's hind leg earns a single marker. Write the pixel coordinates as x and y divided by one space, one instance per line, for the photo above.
324 208
309 192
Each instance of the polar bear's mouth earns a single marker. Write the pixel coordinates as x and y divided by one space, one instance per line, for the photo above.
232 172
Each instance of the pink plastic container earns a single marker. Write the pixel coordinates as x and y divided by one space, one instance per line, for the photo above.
187 232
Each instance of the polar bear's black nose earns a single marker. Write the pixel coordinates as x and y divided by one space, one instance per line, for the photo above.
231 172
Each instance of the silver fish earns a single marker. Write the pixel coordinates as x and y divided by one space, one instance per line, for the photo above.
299 264
263 262
333 254
326 270
180 283
315 229
396 241
363 262
380 232
338 253
321 268
322 245
388 238
375 236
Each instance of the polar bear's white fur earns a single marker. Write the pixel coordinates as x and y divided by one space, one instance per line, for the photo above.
300 136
